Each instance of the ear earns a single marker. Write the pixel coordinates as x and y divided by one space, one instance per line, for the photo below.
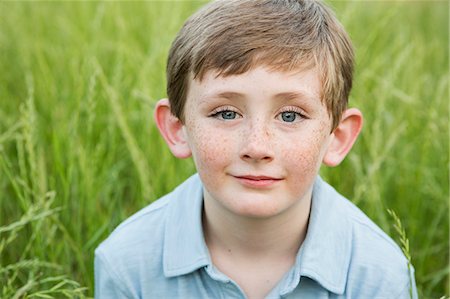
343 137
172 129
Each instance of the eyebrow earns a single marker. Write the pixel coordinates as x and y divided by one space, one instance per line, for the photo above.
230 95
289 96
283 96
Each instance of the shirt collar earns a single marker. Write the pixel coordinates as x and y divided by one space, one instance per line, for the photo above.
324 255
326 252
184 245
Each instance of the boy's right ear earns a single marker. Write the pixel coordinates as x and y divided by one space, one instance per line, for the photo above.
172 130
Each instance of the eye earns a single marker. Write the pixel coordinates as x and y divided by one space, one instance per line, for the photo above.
289 116
225 114
228 114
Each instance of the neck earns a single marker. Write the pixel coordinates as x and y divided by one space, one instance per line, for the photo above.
277 236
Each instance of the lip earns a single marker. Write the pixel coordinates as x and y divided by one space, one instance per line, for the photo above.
257 181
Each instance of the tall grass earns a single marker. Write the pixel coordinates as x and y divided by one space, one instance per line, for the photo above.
79 151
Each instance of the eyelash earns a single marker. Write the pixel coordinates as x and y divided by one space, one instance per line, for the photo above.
298 113
218 113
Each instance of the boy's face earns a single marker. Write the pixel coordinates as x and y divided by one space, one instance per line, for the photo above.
257 139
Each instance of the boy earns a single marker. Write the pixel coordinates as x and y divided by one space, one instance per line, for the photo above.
258 94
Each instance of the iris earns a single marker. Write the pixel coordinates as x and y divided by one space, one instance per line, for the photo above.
288 116
228 114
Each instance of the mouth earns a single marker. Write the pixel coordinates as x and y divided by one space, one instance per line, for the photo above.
258 181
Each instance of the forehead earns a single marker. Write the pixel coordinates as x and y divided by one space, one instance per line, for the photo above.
258 82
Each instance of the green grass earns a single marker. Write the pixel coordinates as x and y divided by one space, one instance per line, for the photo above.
79 151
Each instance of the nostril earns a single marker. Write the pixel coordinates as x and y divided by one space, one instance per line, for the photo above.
257 155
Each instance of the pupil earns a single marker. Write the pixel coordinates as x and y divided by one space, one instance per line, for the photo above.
288 116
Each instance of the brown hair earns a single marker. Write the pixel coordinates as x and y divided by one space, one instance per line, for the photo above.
234 36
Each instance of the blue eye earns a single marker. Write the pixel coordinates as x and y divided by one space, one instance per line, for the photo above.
227 114
288 116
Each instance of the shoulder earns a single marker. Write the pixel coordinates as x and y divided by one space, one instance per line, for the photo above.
141 228
378 267
131 258
145 230
134 245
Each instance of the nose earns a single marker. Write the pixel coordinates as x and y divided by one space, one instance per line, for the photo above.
257 144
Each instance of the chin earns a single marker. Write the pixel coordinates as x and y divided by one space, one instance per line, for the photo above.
256 208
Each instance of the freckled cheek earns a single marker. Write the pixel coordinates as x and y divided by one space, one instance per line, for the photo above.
304 156
300 160
211 150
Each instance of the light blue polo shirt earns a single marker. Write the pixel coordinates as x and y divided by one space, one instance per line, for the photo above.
160 252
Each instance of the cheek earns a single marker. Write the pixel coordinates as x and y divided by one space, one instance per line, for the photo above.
209 149
300 159
304 156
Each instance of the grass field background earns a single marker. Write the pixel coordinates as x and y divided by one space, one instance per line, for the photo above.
79 151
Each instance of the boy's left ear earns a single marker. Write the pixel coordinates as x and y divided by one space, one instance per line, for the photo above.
343 137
